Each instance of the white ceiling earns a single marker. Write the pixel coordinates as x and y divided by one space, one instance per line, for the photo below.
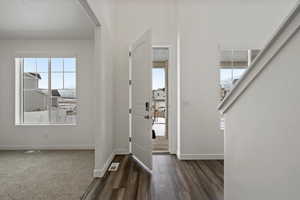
44 19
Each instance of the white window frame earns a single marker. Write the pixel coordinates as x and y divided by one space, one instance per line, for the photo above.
19 97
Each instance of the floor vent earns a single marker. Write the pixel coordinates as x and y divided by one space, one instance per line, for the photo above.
114 166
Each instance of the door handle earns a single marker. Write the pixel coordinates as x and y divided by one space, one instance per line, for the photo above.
147 117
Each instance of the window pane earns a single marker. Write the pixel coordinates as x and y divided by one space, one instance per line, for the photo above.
225 75
69 64
29 65
35 93
42 64
37 105
35 102
64 106
30 80
63 82
158 75
237 73
43 81
56 64
70 80
56 80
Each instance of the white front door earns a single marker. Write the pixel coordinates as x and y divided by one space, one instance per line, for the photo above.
141 96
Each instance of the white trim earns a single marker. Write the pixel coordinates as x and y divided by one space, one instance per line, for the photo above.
47 147
17 119
201 157
121 151
45 54
98 173
160 152
142 164
282 36
130 99
172 88
101 172
85 5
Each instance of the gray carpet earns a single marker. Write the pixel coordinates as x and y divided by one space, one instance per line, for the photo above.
53 175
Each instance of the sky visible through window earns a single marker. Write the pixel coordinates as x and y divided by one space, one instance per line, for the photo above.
158 78
63 72
230 74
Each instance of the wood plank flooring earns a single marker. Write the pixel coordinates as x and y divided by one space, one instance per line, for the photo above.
160 144
171 179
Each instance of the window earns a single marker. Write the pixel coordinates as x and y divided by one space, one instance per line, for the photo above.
158 75
46 90
233 64
228 76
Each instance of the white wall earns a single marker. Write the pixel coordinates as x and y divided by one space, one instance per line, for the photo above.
61 137
95 123
262 132
133 17
103 84
204 25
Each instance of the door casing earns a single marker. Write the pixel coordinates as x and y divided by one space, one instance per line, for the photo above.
172 98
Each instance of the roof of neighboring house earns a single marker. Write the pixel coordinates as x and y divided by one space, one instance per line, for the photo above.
159 89
56 93
33 75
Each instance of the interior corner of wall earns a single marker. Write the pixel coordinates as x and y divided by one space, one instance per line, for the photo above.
100 171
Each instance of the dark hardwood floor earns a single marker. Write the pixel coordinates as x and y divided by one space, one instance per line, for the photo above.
171 179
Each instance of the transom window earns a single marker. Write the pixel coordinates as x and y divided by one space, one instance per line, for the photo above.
46 90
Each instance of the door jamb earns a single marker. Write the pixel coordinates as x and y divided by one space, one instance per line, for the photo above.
130 100
172 99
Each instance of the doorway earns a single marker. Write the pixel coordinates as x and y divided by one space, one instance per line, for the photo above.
160 133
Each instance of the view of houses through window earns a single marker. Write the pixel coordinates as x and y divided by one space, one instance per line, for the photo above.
160 133
46 91
233 64
159 101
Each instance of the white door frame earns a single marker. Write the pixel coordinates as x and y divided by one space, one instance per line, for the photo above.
168 92
172 98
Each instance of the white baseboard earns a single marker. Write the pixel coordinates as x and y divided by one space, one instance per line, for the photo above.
100 172
201 157
121 151
47 147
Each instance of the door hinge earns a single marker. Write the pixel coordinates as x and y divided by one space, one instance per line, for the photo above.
129 139
129 53
130 82
130 110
